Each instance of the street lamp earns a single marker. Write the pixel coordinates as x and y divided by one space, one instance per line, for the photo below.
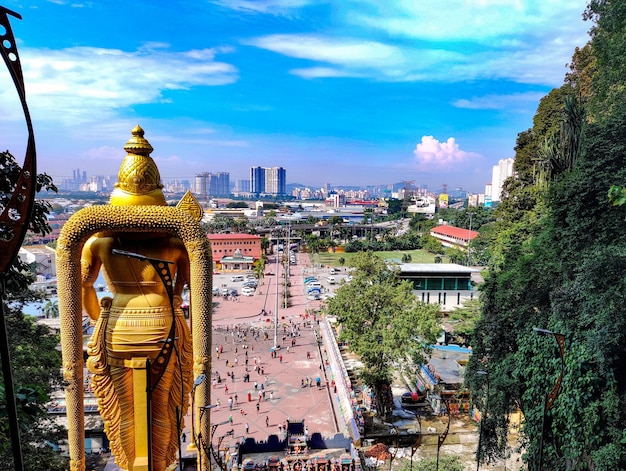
551 396
480 423
277 296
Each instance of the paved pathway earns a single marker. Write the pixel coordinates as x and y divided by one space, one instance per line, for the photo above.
286 381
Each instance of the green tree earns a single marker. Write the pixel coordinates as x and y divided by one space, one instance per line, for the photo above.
557 255
463 320
35 358
431 244
456 255
51 308
237 204
383 322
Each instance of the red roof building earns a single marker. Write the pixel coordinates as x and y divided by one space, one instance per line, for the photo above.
237 245
451 236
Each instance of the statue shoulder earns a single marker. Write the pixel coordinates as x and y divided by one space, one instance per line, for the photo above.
97 243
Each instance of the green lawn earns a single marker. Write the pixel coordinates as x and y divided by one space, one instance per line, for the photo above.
332 259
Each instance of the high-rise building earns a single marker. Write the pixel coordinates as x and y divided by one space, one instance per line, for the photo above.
212 184
500 172
257 180
200 185
275 181
242 186
271 181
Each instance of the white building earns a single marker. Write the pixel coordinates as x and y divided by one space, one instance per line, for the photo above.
500 172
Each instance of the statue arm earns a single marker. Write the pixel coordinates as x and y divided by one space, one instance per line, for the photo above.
90 267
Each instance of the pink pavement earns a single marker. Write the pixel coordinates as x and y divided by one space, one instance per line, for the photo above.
240 332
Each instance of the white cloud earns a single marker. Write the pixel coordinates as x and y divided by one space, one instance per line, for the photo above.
61 84
266 6
432 155
499 102
412 62
480 20
320 72
524 41
341 51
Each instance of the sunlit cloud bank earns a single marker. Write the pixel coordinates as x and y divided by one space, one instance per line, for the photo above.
432 155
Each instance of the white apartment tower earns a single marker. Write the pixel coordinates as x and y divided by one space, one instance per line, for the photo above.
500 172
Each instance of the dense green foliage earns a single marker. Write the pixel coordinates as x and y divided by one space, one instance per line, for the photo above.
35 359
389 332
557 259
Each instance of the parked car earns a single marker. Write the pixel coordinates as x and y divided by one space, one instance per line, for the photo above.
309 278
331 280
250 283
236 278
248 291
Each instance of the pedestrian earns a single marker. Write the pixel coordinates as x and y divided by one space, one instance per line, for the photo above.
226 388
184 437
280 358
230 403
230 419
247 428
256 385
267 420
258 406
236 397
271 395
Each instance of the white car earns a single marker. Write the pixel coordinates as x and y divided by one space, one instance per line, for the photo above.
331 280
247 291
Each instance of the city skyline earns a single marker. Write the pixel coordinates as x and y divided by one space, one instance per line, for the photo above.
363 92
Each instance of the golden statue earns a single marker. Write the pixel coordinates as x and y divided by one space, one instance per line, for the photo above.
140 355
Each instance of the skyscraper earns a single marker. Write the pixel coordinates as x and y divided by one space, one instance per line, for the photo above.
212 184
275 180
257 180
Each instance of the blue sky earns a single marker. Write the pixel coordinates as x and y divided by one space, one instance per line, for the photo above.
350 92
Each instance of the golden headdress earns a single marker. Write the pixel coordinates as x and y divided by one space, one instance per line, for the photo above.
138 180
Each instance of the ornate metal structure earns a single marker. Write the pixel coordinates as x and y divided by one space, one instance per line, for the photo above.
14 218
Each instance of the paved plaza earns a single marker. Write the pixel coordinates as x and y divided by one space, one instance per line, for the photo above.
286 381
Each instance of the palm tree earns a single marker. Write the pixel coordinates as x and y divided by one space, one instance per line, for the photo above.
51 308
